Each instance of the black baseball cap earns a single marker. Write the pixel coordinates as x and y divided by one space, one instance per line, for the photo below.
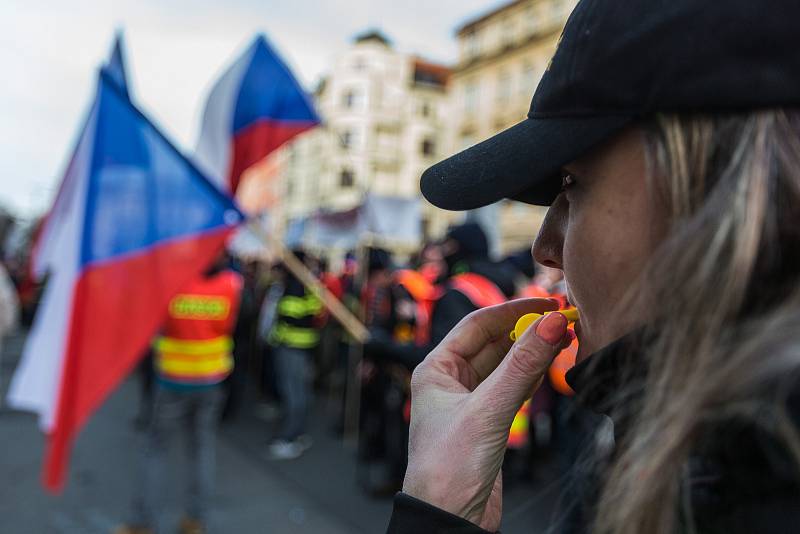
619 61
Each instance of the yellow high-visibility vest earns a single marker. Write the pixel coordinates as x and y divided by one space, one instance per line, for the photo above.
196 347
294 336
195 362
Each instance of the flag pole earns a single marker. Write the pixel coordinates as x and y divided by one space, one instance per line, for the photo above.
339 311
355 354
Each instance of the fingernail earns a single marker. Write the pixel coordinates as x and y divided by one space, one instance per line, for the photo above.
552 328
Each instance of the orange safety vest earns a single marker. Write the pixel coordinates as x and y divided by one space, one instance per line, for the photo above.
534 291
195 348
481 291
557 373
424 294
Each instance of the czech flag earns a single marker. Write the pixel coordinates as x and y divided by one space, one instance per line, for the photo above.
133 223
42 259
255 107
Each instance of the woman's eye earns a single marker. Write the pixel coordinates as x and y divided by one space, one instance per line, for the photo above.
567 181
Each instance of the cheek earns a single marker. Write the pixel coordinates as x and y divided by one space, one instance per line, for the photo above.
589 273
603 254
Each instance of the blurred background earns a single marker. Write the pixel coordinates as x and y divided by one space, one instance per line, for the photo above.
396 87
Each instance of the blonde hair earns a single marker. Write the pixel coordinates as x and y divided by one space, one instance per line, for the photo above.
725 284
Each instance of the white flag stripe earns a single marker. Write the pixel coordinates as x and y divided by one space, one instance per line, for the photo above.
36 383
213 153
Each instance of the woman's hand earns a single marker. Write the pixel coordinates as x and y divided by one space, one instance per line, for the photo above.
464 398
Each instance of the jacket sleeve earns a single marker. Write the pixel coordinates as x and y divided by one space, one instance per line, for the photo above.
412 516
449 310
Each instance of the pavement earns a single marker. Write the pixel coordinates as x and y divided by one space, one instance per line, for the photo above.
317 493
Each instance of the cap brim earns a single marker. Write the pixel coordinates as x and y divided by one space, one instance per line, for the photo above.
521 163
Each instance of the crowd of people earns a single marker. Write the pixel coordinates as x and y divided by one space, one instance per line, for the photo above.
250 338
291 362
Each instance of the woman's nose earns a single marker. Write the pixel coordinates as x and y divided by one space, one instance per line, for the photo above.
549 245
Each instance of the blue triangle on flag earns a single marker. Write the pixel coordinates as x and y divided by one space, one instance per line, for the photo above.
269 90
115 68
142 191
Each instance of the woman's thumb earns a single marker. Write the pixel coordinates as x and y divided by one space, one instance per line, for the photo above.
524 366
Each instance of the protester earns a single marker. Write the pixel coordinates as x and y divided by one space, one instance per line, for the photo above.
268 385
146 376
674 218
193 356
244 337
473 281
294 335
378 471
327 361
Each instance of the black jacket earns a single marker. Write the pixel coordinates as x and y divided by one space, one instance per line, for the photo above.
451 307
741 481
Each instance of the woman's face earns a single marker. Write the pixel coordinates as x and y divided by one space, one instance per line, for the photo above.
600 231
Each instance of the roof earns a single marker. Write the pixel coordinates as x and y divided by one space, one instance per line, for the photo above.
373 34
431 73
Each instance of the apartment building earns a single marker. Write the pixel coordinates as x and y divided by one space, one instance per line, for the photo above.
383 124
502 56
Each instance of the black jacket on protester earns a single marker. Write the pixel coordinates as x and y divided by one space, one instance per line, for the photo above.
447 312
454 305
741 480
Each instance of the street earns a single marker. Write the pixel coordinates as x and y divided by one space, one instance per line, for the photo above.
316 493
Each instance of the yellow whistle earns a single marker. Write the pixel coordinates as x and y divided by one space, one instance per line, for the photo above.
526 321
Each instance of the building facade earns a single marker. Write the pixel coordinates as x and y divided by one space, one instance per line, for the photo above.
383 124
387 116
502 57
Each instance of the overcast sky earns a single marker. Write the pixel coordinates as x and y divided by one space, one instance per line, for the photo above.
49 52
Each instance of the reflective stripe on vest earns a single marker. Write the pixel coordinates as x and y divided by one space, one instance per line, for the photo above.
481 291
518 436
299 307
194 362
294 336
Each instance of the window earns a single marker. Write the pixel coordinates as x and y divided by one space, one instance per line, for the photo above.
473 47
503 87
428 147
507 37
351 99
425 109
359 63
347 139
529 80
471 97
347 178
531 19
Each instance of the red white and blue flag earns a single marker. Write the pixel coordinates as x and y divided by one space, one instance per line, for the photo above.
42 259
134 222
255 107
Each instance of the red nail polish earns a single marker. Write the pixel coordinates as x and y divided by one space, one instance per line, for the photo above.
552 328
